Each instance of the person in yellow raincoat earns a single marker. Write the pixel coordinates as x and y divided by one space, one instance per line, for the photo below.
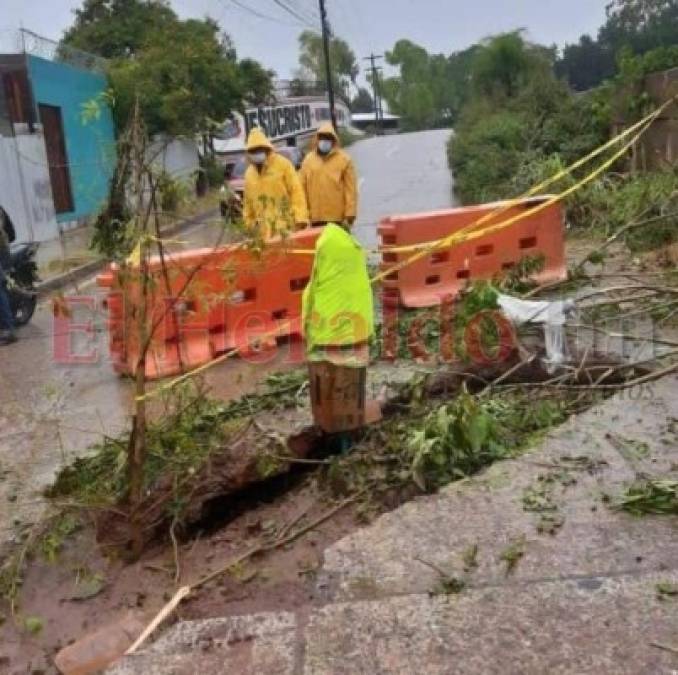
274 199
329 181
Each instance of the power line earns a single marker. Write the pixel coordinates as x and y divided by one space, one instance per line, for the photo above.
305 9
261 15
294 13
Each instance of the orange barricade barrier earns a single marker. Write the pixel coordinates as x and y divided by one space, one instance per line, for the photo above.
444 272
217 300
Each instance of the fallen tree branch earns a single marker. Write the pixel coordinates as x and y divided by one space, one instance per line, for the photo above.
623 230
506 375
624 336
650 377
262 547
635 287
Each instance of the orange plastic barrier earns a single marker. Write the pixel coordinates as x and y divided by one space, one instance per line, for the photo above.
207 302
444 272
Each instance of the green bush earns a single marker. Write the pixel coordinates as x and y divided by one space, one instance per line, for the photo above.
173 193
484 157
530 116
613 201
347 138
213 171
650 198
492 148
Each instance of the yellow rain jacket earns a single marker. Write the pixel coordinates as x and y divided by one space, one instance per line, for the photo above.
329 182
274 198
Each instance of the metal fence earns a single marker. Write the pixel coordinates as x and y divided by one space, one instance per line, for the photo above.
298 87
24 41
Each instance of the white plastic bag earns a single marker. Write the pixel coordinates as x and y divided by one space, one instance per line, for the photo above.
552 315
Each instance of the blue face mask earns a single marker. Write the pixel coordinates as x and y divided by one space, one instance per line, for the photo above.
324 146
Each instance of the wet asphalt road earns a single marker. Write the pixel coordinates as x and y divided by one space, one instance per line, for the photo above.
399 174
51 411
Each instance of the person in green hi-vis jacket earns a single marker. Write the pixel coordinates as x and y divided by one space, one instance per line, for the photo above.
338 322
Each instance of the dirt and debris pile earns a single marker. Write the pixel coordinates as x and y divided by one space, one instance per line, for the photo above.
198 450
201 450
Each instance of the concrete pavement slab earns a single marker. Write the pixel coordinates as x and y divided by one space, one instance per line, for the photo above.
259 643
489 511
575 626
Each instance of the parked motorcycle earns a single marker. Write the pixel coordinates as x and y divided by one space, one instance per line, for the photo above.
23 275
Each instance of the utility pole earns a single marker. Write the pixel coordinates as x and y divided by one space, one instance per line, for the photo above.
328 68
380 99
372 58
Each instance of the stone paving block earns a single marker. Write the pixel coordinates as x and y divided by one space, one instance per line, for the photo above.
256 644
578 627
487 510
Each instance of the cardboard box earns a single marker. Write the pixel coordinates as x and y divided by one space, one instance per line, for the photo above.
337 396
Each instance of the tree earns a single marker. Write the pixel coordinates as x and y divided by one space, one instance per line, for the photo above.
640 26
186 74
182 79
505 63
117 28
430 89
256 82
518 116
586 64
363 102
411 93
345 68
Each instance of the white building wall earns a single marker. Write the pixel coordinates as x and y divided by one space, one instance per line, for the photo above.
177 157
25 188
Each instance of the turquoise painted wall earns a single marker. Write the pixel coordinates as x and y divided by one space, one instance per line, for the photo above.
90 144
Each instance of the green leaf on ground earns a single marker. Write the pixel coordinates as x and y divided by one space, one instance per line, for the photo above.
654 496
470 558
88 587
449 586
666 590
513 553
34 624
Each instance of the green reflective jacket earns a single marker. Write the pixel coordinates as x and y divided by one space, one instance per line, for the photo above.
337 303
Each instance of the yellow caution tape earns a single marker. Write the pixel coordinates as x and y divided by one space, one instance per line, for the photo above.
469 233
462 235
509 204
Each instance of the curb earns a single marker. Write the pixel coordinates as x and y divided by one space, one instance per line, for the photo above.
88 269
70 277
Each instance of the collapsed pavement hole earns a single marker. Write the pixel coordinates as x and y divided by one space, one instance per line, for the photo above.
221 510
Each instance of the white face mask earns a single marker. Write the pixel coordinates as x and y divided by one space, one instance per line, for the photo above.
324 146
258 157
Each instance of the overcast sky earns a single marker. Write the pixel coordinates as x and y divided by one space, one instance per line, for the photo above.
368 25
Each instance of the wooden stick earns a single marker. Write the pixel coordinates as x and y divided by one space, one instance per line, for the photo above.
434 567
666 648
650 377
159 618
184 591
